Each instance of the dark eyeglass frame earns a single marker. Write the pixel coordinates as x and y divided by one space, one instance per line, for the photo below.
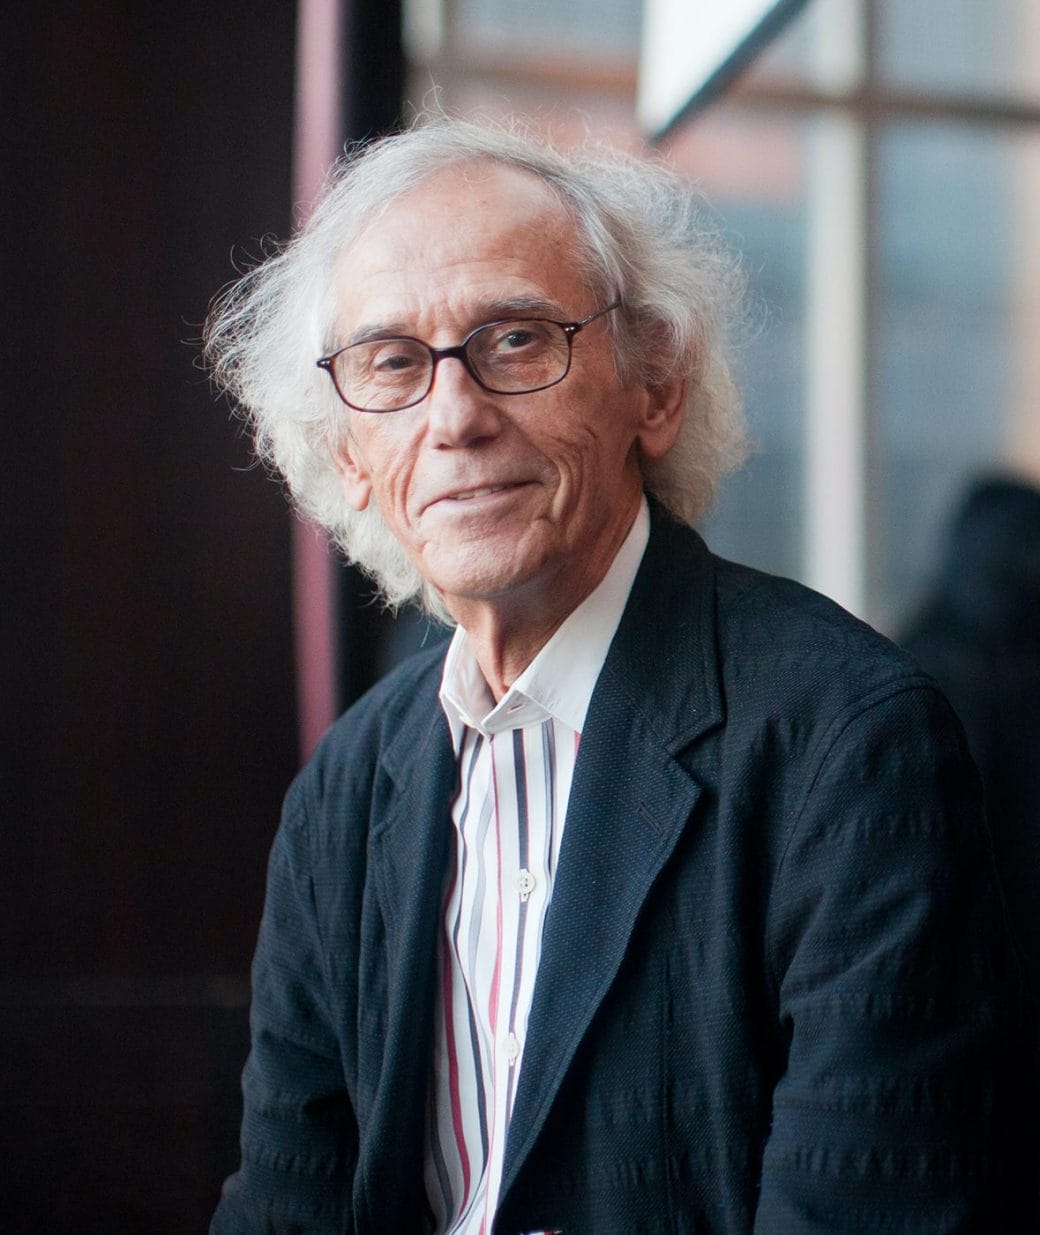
461 353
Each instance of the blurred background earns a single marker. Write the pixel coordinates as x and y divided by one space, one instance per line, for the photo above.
174 640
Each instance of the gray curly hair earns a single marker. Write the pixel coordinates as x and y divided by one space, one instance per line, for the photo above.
644 240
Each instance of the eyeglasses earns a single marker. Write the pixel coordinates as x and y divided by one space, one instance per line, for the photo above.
512 357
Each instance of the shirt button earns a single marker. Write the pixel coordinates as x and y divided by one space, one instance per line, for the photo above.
524 884
512 1049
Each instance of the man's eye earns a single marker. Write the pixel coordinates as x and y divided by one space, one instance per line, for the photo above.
393 359
394 362
517 337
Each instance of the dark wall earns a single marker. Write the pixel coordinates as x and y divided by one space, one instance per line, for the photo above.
147 696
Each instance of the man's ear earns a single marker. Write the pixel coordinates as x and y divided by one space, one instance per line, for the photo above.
354 473
661 418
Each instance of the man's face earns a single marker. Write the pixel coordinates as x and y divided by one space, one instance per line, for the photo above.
507 499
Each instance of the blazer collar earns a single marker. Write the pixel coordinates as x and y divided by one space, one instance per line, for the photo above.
664 656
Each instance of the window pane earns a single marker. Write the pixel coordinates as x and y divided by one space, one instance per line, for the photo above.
794 55
596 26
989 47
753 173
958 324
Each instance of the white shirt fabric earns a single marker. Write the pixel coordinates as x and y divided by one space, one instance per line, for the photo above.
516 762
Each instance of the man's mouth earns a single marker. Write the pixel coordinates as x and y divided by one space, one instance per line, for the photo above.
468 494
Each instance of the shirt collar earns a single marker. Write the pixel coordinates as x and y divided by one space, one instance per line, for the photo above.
560 680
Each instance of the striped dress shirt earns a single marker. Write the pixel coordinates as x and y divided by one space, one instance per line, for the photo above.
516 762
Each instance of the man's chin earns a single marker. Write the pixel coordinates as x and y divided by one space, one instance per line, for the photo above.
497 581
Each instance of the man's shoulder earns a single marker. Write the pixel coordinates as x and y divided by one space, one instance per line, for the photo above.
773 611
399 713
773 645
410 686
756 619
704 640
794 647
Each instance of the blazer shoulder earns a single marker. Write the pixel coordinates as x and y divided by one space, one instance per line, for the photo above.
391 702
399 711
706 642
779 619
787 650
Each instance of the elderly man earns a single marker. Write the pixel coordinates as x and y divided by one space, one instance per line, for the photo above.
660 901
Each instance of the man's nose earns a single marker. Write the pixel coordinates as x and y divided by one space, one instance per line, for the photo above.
460 412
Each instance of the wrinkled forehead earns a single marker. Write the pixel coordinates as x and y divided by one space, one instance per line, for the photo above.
470 202
464 228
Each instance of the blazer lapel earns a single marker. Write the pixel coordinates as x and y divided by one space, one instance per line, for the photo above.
630 801
410 849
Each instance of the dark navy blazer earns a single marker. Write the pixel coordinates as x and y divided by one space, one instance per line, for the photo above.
775 994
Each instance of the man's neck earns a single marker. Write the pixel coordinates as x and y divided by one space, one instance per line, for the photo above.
507 633
506 638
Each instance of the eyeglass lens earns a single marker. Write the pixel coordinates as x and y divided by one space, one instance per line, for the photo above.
506 357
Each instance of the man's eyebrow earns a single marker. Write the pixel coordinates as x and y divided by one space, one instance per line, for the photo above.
483 312
522 306
374 331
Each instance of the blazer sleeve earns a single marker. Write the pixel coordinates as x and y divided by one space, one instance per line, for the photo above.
299 1134
900 1001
